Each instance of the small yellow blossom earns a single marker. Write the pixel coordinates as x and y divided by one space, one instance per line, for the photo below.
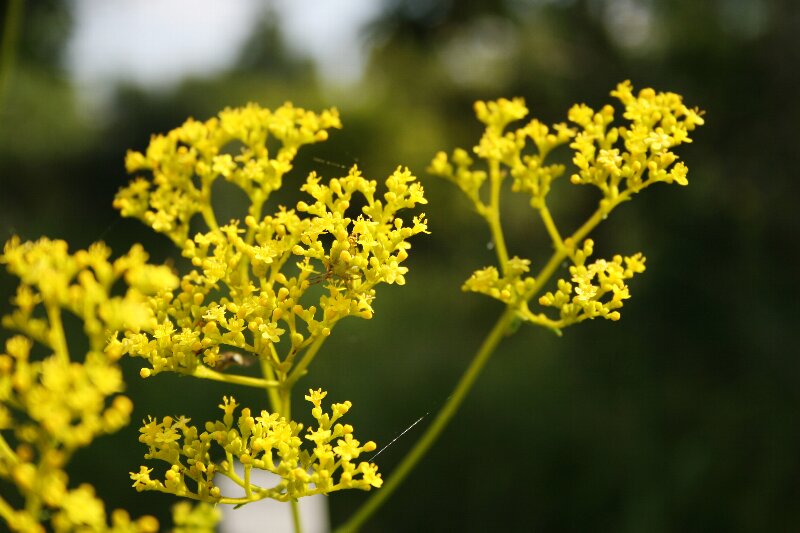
659 122
597 290
509 289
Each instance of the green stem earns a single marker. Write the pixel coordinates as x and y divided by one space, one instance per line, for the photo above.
280 399
493 215
299 369
298 527
231 474
569 243
547 220
204 498
33 501
285 393
210 218
244 270
56 339
481 357
248 488
540 320
203 372
255 212
272 392
421 447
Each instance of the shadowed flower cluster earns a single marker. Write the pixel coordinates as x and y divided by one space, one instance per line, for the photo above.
266 442
52 403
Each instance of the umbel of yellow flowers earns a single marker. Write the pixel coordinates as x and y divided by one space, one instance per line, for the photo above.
619 160
271 287
266 267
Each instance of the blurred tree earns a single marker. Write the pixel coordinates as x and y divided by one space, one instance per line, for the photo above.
40 130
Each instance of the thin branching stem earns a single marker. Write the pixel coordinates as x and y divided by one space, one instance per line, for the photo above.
493 214
298 526
204 372
299 370
269 377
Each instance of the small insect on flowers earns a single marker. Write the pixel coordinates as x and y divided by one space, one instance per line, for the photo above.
231 358
340 268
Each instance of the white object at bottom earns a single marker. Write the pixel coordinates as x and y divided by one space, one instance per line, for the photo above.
270 516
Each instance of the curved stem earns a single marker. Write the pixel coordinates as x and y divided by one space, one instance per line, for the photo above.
540 320
432 433
552 230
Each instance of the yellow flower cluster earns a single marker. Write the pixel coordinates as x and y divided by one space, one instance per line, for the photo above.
623 160
619 160
498 147
53 405
254 287
268 288
597 289
508 288
52 278
187 161
266 442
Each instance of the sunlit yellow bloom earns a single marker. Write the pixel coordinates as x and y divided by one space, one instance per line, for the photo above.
620 160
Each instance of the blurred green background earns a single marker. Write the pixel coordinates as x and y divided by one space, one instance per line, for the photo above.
680 417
